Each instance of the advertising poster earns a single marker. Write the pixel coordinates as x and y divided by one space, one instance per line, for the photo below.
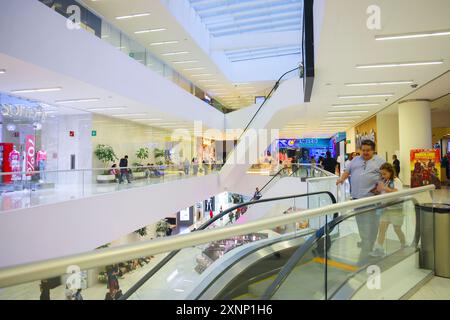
425 167
30 148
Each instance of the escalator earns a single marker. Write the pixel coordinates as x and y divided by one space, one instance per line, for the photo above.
283 257
308 264
280 242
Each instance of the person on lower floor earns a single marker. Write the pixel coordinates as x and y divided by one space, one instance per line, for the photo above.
124 172
392 215
364 171
45 291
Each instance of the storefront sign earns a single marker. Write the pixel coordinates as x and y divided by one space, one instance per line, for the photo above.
30 148
94 133
72 133
425 167
303 143
35 113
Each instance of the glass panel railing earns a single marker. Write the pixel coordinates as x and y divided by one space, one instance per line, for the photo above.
122 42
278 258
362 256
20 190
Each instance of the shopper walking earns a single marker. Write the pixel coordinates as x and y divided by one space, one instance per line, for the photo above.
396 164
45 290
257 195
195 166
330 163
186 166
364 171
393 214
123 164
77 295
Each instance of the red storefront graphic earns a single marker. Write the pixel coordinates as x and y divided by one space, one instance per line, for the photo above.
30 147
5 165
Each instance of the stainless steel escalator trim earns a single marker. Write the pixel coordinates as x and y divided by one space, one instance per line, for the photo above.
217 280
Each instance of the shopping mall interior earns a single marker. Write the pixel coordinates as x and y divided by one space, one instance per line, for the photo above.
225 150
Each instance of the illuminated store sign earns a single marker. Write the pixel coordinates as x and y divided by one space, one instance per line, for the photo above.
34 113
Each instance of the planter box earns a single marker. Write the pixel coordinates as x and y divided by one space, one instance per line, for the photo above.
138 175
103 178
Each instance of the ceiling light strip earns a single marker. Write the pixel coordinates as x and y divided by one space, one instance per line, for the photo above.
413 35
401 64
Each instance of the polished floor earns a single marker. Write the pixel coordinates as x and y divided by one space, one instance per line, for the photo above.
436 289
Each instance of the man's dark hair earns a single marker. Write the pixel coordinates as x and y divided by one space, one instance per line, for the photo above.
126 157
395 156
328 154
369 143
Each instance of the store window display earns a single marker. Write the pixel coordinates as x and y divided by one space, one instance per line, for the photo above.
14 160
41 160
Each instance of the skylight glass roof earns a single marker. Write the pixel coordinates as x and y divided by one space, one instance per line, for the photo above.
231 17
237 17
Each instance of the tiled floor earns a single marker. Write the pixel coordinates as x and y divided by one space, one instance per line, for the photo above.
436 289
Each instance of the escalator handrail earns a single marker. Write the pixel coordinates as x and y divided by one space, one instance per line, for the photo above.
320 233
45 269
167 258
245 204
274 88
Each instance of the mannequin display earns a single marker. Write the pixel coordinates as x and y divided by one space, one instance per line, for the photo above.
41 159
14 160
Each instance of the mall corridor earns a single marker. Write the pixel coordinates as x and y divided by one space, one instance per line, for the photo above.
240 151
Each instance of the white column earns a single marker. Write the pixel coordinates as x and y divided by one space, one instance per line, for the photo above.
414 117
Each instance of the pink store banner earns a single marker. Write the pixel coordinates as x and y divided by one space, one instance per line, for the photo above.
30 148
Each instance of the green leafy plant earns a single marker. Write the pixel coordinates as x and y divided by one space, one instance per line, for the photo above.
159 153
143 153
105 154
142 232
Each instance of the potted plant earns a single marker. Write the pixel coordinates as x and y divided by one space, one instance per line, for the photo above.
142 232
159 153
141 154
105 154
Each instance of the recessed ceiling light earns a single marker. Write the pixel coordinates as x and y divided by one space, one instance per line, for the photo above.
107 109
150 30
414 35
347 117
37 90
402 64
384 95
202 75
130 115
175 53
207 80
77 100
194 69
185 61
355 105
387 83
348 112
2 71
153 44
137 15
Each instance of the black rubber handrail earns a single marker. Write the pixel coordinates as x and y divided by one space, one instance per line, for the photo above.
274 88
319 234
167 258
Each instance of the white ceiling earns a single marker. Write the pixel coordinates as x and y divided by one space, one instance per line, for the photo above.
346 42
21 75
264 15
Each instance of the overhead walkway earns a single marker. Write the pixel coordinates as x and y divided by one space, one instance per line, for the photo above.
275 258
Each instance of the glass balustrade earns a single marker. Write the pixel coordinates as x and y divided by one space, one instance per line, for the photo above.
20 190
